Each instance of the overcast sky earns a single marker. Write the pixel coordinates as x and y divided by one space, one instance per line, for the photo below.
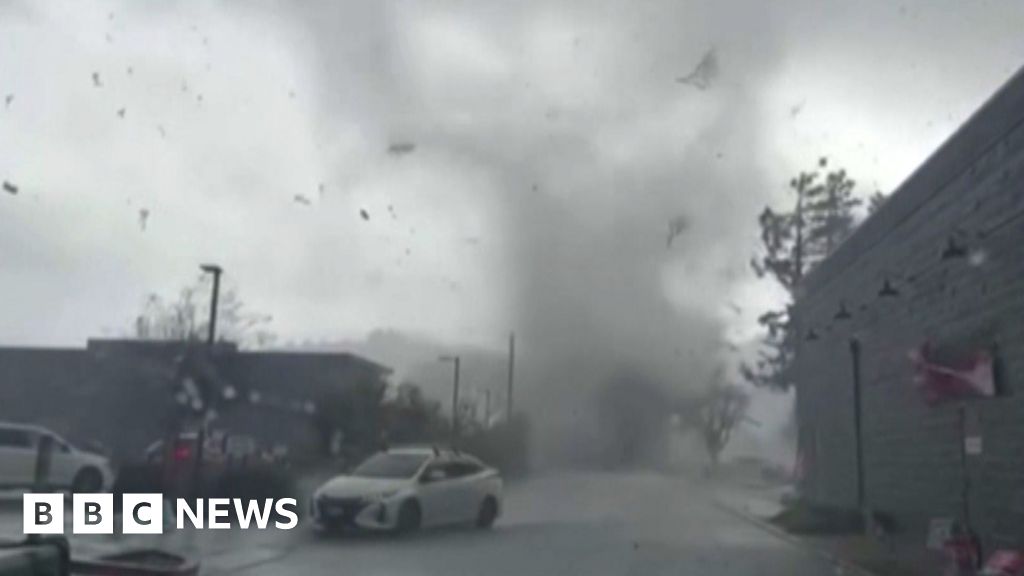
552 146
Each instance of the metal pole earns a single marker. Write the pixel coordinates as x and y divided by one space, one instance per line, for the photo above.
455 402
211 334
511 374
487 408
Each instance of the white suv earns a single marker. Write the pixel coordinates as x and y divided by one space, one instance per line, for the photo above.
70 468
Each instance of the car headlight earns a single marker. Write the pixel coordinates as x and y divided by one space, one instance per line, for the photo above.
383 495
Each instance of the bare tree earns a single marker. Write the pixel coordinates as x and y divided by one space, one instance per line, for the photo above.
185 318
724 408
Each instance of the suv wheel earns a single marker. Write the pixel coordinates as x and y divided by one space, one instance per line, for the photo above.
86 481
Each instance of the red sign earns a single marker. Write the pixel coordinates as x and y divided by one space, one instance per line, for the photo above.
968 376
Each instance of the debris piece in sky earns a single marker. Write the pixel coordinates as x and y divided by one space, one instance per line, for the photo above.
704 74
143 218
302 199
291 94
676 226
96 80
391 211
735 308
823 161
110 16
797 109
184 86
10 188
109 38
364 214
130 71
160 128
7 100
401 148
199 98
121 112
320 189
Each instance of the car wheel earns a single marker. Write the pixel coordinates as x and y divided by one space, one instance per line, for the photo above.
488 513
409 517
86 481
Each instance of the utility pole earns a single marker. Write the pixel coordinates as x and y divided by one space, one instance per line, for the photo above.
455 395
511 376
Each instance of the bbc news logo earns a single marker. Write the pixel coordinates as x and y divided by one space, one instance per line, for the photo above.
144 513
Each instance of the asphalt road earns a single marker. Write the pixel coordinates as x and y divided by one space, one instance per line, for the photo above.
564 524
593 524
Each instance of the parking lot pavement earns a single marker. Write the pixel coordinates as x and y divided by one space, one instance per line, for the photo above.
579 523
568 523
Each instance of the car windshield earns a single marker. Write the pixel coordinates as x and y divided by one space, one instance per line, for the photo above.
391 466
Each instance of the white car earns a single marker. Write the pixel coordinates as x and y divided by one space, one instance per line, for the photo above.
70 468
402 489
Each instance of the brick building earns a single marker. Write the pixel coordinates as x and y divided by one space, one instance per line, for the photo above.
942 263
125 393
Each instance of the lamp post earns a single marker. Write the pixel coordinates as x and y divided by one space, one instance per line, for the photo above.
211 335
455 395
211 329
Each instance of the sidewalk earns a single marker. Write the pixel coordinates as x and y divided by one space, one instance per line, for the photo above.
854 553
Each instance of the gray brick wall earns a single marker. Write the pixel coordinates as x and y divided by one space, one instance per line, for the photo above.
971 188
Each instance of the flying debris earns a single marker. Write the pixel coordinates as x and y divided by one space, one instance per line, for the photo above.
291 94
797 109
184 86
401 148
735 308
121 112
391 211
143 218
302 199
199 98
704 74
96 80
10 188
364 214
130 71
320 188
676 227
109 38
160 128
7 100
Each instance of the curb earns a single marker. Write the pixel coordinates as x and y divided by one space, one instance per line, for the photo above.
794 541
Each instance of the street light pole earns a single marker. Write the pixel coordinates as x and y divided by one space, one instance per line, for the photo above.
211 329
211 335
455 395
